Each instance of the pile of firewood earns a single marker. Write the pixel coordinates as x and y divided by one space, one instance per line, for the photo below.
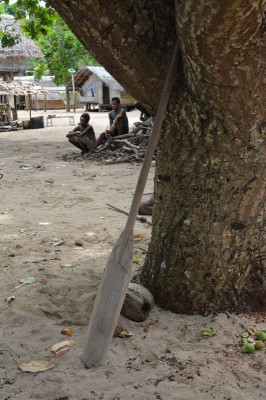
129 147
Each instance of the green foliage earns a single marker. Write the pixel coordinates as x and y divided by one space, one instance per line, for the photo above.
40 69
62 50
2 8
9 381
60 47
37 16
137 258
8 40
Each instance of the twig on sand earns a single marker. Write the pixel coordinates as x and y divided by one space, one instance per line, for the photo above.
139 218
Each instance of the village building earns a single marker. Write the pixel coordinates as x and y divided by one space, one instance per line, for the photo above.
13 60
96 88
52 97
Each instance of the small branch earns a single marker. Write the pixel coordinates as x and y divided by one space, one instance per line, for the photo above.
139 218
126 136
13 357
120 160
10 25
143 124
128 143
105 146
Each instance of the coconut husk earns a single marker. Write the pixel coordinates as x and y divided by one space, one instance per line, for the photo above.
138 303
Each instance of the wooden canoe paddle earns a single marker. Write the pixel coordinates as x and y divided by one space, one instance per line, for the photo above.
117 273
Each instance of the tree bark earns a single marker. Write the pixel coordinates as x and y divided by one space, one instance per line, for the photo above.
208 242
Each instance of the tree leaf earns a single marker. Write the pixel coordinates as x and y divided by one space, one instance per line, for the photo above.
58 347
126 334
28 280
67 265
36 366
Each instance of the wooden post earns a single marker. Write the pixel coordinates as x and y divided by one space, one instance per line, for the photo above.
30 104
67 101
35 101
14 110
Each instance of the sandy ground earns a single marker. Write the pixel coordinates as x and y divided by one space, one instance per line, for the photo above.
45 199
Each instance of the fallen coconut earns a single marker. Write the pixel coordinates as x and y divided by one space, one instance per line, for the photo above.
244 340
138 303
259 345
260 335
249 348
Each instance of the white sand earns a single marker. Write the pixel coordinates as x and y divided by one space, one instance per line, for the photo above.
167 358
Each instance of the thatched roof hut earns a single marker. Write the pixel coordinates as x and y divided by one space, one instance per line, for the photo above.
96 86
52 96
13 59
14 89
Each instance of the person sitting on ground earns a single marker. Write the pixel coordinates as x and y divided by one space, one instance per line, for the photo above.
118 122
146 206
83 136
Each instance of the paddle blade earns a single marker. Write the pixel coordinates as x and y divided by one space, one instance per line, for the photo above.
109 301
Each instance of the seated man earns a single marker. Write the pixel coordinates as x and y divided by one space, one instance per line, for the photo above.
118 122
83 135
146 206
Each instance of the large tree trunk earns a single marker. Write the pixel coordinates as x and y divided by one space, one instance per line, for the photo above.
208 242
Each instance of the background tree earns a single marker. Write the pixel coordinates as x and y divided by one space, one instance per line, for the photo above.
41 17
61 50
60 47
208 242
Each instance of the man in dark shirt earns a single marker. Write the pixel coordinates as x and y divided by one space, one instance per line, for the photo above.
83 135
118 122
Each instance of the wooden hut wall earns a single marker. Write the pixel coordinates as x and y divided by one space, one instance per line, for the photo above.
91 91
55 104
114 93
28 105
13 64
51 104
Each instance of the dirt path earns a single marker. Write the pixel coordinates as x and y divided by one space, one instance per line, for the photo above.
45 200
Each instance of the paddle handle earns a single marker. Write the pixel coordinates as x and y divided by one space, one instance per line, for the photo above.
154 138
117 274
